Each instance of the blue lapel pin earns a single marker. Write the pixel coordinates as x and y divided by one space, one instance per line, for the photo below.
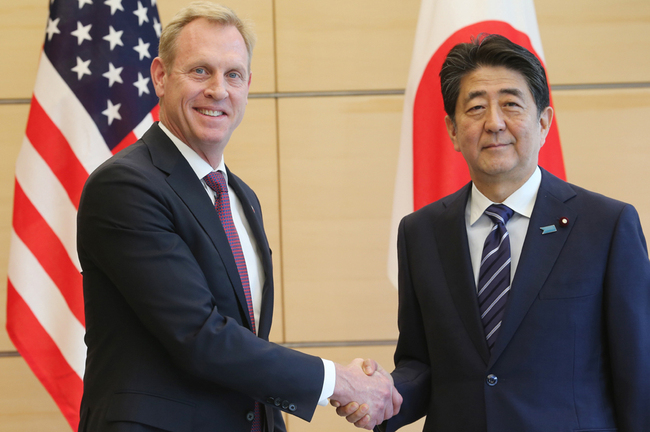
548 229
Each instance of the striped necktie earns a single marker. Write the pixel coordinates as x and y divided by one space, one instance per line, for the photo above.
494 272
217 182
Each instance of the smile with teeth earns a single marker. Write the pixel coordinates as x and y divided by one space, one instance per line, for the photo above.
210 112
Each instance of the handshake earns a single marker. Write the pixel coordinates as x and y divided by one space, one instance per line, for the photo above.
364 394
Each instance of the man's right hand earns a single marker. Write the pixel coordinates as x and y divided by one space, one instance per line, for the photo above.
365 394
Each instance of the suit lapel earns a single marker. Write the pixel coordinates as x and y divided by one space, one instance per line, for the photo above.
183 180
538 256
453 249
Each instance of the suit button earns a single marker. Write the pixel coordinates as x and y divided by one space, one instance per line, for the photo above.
285 404
292 407
492 380
250 416
278 402
270 401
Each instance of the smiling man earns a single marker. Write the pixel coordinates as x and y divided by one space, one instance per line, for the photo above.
524 301
177 272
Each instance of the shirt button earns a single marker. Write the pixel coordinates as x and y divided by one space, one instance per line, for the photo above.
250 416
492 380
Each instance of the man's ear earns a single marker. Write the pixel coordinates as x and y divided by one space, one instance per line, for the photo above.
158 76
545 121
452 131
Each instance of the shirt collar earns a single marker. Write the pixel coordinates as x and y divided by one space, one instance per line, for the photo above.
521 201
200 167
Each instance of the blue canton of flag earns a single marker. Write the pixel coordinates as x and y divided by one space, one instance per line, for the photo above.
103 50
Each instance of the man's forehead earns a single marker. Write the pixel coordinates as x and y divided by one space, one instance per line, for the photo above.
489 79
193 40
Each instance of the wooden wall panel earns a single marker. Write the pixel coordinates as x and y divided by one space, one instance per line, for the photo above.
260 13
252 154
325 418
323 167
22 33
363 45
605 143
337 168
13 120
344 45
603 41
340 46
25 406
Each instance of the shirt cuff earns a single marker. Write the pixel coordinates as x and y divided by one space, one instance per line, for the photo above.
329 381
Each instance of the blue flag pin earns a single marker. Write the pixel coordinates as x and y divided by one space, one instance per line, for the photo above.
548 229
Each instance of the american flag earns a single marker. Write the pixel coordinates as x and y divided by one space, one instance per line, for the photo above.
93 96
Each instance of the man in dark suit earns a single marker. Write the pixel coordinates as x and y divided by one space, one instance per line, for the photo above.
565 346
177 271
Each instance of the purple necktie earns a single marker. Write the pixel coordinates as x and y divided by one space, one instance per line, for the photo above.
217 182
494 272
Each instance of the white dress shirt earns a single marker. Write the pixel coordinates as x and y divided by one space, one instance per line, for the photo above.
249 246
479 224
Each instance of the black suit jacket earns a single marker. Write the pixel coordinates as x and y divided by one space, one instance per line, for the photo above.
573 352
167 326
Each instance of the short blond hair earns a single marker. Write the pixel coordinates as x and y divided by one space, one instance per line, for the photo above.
213 12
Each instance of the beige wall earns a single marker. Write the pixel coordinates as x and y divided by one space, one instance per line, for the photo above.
323 164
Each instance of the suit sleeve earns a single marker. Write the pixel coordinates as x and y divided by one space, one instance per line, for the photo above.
627 308
412 371
128 233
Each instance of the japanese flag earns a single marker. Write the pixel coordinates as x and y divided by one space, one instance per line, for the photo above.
428 167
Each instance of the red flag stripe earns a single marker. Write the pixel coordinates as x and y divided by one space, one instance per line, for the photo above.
69 116
155 113
139 130
49 251
34 344
127 141
50 143
47 304
43 189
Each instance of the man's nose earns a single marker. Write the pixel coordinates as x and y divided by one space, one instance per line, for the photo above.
494 121
216 88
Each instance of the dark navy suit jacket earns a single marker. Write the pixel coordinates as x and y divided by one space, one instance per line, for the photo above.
167 326
573 352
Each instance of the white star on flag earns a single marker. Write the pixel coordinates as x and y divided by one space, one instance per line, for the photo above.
82 68
52 28
114 37
113 74
85 2
112 112
82 33
141 13
142 49
115 5
142 84
157 27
